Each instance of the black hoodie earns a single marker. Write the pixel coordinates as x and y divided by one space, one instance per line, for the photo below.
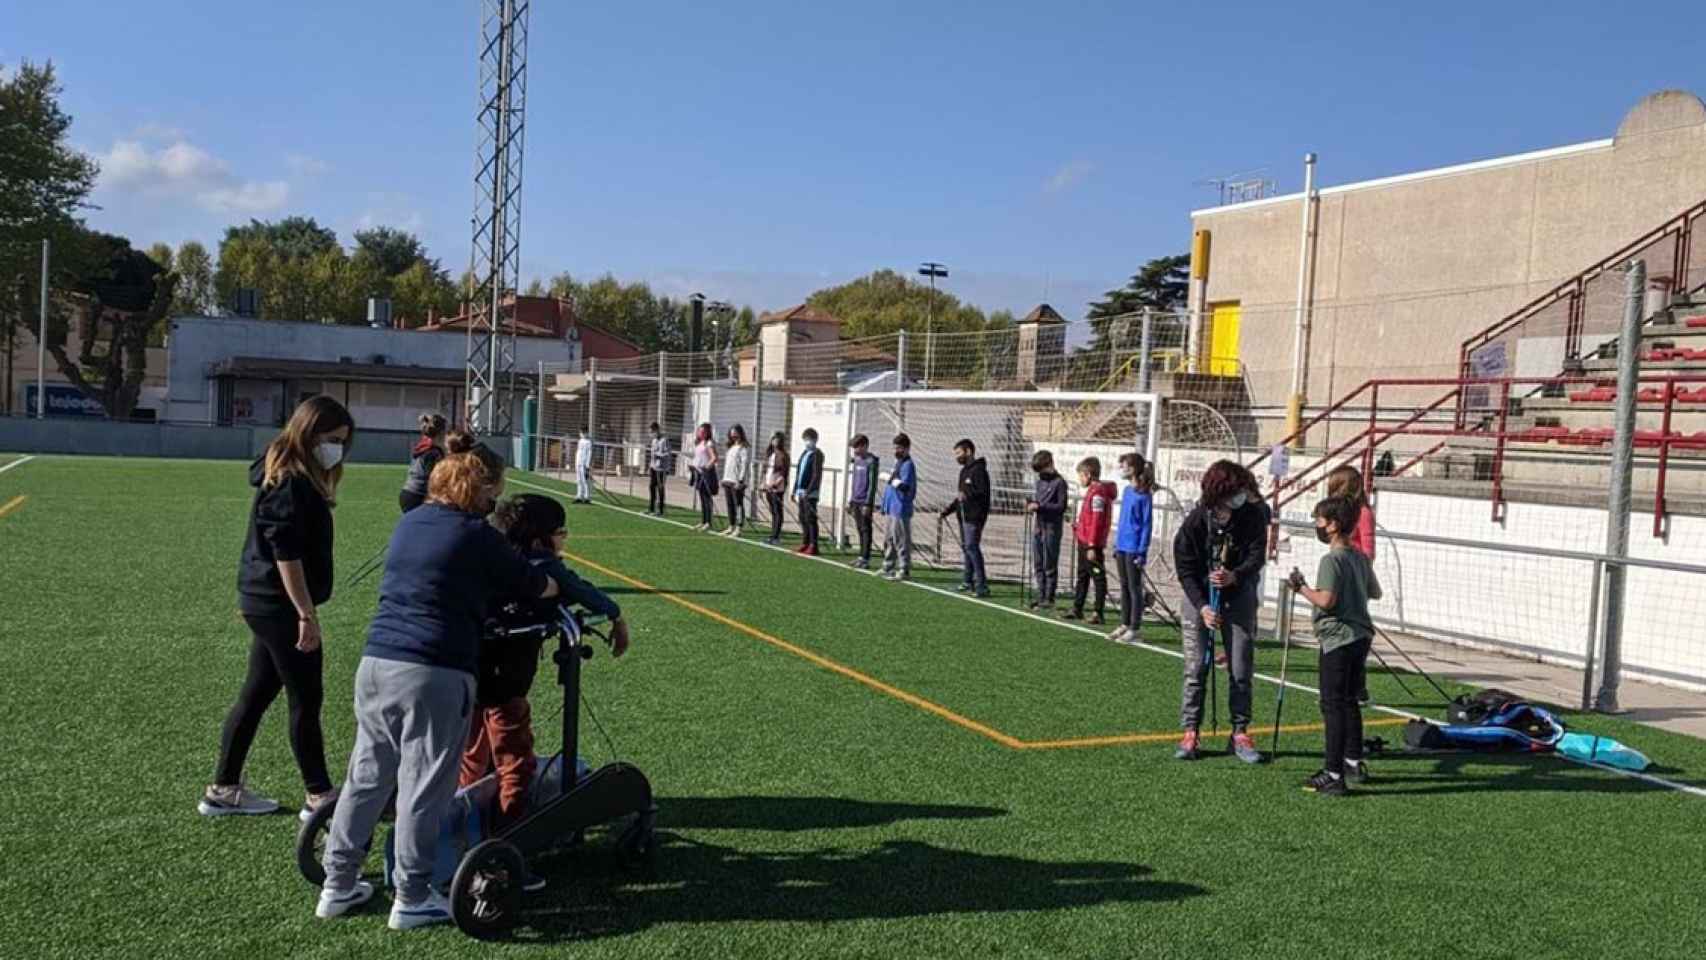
1245 540
290 521
974 487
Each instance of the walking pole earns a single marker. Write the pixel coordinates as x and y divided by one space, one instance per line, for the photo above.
1285 614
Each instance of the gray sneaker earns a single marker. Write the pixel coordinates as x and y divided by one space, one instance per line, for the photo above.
239 800
1120 634
408 916
1244 748
336 903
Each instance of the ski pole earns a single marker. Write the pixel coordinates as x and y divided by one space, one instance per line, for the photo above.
1285 615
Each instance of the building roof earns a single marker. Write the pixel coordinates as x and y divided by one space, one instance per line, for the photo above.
268 368
803 313
1043 314
551 317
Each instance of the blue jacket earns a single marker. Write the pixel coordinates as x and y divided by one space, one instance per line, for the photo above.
902 490
1132 535
443 570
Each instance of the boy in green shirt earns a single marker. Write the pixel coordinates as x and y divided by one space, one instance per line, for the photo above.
1344 584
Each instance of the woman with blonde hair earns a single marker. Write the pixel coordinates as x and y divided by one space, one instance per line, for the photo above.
415 685
284 577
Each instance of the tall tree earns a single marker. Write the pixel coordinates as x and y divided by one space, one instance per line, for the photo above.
160 253
119 306
44 184
390 251
273 257
885 302
1161 284
195 280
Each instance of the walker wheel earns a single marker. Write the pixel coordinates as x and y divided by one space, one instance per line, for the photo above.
485 894
639 843
311 843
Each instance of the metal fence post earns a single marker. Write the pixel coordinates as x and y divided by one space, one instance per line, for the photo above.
1617 508
592 397
1145 343
1593 638
663 390
757 427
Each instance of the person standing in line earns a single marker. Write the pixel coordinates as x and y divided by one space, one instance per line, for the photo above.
862 496
1221 547
1090 538
657 464
1344 584
284 577
705 473
1048 506
1345 482
898 501
428 450
776 483
1131 544
808 483
735 477
583 468
971 503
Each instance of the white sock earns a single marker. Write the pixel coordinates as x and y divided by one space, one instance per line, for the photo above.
1335 776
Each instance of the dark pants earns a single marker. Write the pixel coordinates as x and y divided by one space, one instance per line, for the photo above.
862 523
734 497
275 664
409 500
1343 674
971 554
654 495
1131 589
808 522
773 499
704 482
1045 558
1088 572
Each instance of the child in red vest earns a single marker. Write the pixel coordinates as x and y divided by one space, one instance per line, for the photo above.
1090 533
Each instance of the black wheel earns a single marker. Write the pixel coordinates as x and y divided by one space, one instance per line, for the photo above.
485 894
311 843
639 843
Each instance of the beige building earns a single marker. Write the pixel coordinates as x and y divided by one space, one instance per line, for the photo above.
1403 270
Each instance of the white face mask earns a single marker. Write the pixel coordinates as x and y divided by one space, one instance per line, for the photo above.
330 453
1127 472
1237 500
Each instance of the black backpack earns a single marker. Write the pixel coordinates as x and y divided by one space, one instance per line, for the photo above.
1472 708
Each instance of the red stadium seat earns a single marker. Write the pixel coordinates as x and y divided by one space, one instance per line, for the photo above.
1695 322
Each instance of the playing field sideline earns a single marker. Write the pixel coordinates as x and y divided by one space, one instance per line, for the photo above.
844 767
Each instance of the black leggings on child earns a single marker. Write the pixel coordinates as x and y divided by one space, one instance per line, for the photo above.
275 664
1343 673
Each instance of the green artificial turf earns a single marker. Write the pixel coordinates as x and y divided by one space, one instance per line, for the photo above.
803 813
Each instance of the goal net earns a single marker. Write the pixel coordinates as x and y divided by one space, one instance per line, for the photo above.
1008 428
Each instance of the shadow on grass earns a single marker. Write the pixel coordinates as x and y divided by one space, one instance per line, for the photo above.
1454 773
702 882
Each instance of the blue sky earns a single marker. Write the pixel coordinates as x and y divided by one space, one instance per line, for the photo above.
759 150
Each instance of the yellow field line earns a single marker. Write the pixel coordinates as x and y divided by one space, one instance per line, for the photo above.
13 504
815 658
1168 736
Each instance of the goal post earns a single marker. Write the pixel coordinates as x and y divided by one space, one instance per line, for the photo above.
1007 428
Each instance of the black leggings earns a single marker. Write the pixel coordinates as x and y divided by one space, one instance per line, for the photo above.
735 499
774 499
704 483
275 664
1131 589
1344 672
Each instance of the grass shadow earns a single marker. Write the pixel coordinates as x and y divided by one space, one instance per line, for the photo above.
1452 773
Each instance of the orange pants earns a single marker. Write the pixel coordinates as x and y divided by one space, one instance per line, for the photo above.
501 738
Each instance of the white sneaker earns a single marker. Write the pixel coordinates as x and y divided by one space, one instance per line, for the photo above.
407 916
336 903
1120 635
234 801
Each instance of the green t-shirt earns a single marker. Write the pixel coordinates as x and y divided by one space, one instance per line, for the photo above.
1349 577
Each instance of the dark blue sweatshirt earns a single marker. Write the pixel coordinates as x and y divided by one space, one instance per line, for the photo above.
442 572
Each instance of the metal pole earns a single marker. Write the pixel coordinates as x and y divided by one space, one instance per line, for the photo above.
1593 638
663 390
1300 332
1617 508
592 397
847 489
757 426
900 363
1145 344
930 331
41 337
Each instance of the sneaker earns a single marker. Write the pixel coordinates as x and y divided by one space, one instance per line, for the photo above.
897 577
771 541
408 916
809 552
1356 771
1120 635
239 800
1188 747
981 593
1097 620
1362 697
1072 615
336 903
313 802
1244 748
1326 784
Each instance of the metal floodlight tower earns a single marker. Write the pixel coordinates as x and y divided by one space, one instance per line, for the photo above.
495 259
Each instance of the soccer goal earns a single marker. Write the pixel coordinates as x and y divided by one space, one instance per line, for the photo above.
1007 428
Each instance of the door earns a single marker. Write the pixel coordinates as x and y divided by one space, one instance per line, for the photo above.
1223 339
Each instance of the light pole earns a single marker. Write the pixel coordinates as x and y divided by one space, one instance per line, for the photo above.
931 269
720 310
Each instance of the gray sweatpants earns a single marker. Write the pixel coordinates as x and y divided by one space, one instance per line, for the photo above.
897 545
1238 640
411 722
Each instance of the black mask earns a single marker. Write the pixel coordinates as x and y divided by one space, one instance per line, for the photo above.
1322 535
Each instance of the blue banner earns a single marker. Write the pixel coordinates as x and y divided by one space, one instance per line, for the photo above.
63 401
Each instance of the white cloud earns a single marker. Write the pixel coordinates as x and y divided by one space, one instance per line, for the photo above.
159 131
305 166
1068 175
246 197
182 169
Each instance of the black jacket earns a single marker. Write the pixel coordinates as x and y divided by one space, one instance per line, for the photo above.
1245 540
291 521
974 488
508 666
1049 494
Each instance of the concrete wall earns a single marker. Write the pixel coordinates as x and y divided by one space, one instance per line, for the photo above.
1406 270
102 438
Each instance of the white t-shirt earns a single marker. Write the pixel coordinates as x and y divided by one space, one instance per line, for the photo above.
704 454
583 452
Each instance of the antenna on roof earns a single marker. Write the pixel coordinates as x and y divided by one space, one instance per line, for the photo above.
1242 187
